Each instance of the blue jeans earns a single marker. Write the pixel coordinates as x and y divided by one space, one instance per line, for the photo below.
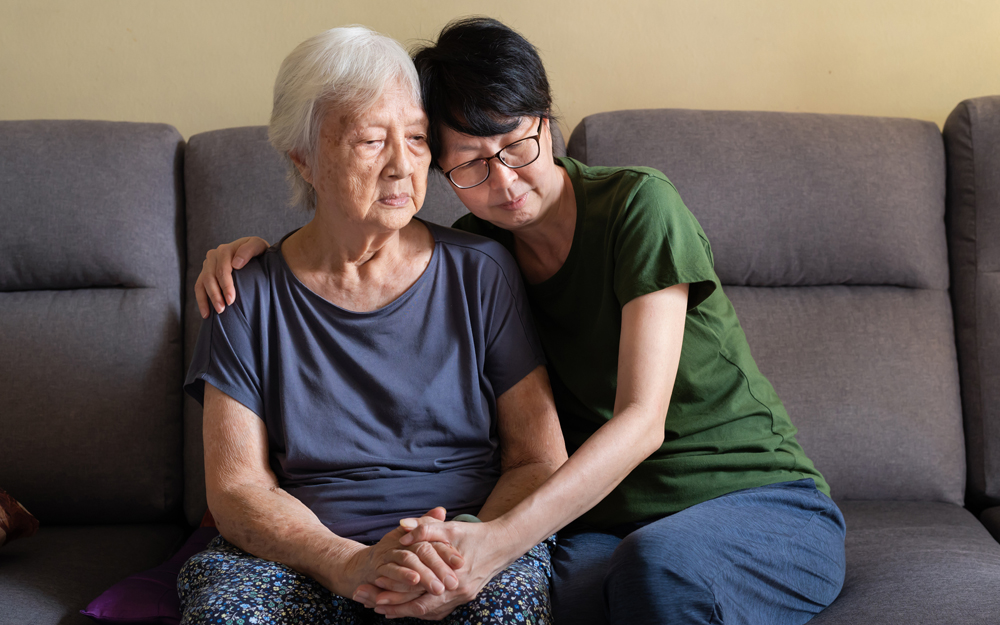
771 555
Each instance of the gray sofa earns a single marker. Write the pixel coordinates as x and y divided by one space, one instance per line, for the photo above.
862 255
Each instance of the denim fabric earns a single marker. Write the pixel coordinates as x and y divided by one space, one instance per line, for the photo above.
770 555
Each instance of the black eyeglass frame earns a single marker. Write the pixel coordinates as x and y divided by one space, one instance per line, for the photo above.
489 170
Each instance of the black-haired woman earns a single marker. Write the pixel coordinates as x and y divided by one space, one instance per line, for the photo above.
687 497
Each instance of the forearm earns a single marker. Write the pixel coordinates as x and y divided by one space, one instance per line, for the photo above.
514 485
273 525
590 474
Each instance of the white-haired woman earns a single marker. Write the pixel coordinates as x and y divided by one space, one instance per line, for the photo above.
371 367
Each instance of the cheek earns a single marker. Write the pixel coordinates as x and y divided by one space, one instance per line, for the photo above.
361 179
418 180
475 199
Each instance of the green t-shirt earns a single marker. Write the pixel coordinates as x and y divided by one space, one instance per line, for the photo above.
726 429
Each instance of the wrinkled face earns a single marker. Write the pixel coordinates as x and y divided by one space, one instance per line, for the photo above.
510 198
371 167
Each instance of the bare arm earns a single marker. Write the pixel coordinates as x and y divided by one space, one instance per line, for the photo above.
648 355
649 352
531 442
255 514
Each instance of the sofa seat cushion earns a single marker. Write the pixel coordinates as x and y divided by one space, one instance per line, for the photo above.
915 563
51 577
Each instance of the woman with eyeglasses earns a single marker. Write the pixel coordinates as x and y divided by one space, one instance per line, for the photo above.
686 498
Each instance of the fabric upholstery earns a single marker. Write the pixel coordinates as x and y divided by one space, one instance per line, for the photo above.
991 519
90 229
88 205
915 563
972 141
868 376
794 199
56 573
235 185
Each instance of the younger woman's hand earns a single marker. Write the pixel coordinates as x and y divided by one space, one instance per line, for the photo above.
414 569
215 282
484 548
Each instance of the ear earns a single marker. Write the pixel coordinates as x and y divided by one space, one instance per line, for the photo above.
302 165
547 125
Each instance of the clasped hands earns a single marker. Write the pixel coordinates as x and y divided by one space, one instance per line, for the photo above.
426 567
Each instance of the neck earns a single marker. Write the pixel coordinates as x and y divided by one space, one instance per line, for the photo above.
543 246
557 220
334 245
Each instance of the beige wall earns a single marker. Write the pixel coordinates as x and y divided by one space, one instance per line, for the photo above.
205 64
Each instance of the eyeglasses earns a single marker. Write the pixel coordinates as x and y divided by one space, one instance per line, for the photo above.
515 156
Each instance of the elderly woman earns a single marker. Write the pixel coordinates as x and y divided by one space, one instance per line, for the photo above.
371 367
690 499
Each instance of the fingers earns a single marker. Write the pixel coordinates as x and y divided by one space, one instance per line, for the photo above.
210 285
366 594
202 297
449 554
417 608
438 513
425 532
214 287
370 596
224 273
437 559
435 575
388 597
251 246
433 516
426 607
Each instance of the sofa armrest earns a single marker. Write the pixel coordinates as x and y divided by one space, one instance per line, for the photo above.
972 144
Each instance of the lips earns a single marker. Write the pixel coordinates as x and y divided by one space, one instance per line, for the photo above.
396 200
514 204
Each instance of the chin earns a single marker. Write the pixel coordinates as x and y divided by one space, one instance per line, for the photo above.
397 219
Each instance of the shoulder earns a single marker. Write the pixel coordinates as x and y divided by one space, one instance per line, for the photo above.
253 280
620 185
474 251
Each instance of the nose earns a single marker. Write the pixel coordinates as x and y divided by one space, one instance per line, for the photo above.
501 176
400 164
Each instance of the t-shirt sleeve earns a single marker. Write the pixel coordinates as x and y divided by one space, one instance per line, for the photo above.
226 357
512 346
659 244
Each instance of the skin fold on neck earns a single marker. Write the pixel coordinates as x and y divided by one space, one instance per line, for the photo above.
357 270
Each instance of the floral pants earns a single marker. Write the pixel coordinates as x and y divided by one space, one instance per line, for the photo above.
226 585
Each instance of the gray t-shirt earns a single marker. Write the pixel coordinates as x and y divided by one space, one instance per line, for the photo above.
376 416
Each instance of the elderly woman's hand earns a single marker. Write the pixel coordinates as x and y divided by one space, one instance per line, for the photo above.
215 282
420 568
482 563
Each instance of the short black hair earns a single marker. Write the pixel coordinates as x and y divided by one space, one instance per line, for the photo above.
480 79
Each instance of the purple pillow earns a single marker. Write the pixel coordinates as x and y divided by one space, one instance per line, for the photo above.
150 596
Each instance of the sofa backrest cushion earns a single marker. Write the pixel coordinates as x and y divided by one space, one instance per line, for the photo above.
972 141
872 190
90 234
236 186
828 235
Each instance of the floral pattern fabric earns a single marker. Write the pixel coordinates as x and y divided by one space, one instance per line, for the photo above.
225 585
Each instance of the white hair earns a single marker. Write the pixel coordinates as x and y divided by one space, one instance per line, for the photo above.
345 68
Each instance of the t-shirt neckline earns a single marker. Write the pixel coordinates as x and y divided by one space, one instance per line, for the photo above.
396 303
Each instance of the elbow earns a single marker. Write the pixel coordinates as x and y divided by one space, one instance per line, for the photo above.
652 440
